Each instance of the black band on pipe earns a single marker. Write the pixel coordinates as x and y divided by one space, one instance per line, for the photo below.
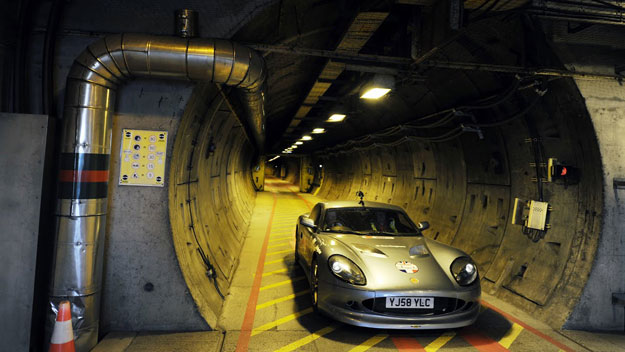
80 161
83 190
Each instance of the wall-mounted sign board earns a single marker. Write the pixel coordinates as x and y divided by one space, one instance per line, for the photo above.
143 155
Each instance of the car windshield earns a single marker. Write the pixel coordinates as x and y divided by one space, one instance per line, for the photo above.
368 221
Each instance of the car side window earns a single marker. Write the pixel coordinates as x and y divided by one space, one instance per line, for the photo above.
314 214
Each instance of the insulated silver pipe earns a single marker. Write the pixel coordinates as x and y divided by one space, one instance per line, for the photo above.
86 146
603 12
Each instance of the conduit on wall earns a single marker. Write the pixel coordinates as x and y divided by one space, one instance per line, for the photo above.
86 145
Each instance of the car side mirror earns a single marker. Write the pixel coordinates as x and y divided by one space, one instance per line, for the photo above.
308 222
423 225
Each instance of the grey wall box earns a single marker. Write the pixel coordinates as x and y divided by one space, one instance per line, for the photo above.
21 160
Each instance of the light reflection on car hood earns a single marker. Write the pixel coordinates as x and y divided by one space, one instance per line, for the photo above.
378 256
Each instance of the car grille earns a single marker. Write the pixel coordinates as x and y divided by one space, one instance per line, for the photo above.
442 305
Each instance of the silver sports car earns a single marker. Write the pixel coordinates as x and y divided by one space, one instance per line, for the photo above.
369 265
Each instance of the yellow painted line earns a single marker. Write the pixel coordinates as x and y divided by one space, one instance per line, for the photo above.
308 339
280 252
281 299
369 343
281 321
282 283
511 335
287 243
275 272
440 341
281 260
282 238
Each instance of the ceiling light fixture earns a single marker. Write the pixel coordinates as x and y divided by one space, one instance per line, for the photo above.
294 146
299 143
306 138
274 158
319 130
378 86
336 118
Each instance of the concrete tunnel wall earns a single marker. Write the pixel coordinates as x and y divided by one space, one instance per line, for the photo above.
466 188
211 197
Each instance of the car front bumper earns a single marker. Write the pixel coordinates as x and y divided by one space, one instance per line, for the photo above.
346 305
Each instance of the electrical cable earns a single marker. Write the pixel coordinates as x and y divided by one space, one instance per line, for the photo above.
511 118
452 113
211 273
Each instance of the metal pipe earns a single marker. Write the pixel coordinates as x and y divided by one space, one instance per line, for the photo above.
86 146
591 11
186 23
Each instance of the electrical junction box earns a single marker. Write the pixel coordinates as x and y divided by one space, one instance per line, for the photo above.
537 216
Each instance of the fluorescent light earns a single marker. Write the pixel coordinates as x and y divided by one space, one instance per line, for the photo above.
274 158
299 143
336 118
375 93
378 86
319 130
293 146
306 138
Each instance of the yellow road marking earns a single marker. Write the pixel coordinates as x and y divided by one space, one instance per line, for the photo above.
308 339
369 343
281 260
282 283
280 252
281 321
281 299
280 244
511 335
275 272
281 238
440 341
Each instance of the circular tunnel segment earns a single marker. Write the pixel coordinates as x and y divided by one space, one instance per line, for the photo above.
464 186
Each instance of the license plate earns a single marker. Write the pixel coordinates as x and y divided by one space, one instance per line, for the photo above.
410 302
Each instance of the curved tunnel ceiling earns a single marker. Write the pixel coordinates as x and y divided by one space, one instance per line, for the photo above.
464 185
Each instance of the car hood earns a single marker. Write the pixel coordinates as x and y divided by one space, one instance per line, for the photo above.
395 262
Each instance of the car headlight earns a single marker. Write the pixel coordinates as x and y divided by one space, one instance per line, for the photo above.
346 270
464 271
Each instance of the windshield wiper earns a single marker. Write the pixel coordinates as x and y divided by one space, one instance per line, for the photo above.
384 233
395 233
344 231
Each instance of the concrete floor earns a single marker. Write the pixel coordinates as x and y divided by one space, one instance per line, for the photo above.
268 307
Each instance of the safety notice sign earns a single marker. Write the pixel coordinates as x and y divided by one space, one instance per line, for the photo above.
143 158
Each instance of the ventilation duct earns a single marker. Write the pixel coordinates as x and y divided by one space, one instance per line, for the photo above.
86 146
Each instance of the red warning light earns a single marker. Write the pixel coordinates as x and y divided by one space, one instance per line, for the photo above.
563 172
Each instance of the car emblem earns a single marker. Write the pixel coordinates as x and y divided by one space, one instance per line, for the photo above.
414 280
406 267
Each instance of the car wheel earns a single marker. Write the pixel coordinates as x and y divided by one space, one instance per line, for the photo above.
314 284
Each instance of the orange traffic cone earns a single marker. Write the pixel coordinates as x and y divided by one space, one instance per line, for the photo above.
62 335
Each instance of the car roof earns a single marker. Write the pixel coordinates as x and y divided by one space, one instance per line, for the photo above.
355 203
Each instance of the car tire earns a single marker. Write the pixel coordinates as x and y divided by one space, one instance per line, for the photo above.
314 285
